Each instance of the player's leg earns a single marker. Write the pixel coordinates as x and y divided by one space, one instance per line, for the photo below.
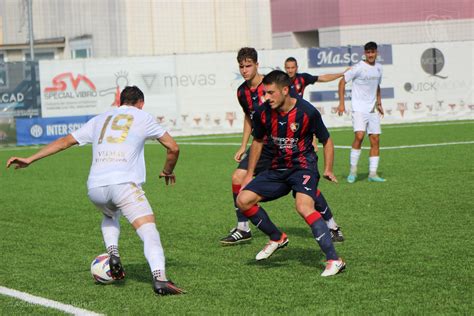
135 207
263 187
300 180
110 228
359 123
374 132
323 208
240 233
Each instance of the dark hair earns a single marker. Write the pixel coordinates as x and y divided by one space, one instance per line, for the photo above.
370 46
278 77
291 59
131 95
247 53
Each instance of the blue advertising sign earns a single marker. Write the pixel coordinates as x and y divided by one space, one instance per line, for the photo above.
345 56
45 130
333 95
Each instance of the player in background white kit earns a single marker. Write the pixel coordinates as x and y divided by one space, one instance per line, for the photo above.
366 77
116 175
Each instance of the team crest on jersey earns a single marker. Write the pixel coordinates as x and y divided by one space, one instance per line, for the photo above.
298 86
294 127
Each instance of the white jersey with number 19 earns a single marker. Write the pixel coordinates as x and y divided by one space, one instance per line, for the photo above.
118 138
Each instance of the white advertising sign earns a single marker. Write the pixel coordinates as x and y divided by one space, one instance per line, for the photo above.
196 93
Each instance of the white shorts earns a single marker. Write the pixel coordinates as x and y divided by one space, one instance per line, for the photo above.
366 122
126 198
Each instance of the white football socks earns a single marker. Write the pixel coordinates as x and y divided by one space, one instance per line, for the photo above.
111 231
355 154
331 223
243 226
373 165
153 249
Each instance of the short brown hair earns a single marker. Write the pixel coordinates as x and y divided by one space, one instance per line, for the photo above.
247 53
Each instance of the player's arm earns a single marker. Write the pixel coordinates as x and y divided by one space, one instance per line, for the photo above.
58 145
328 148
245 138
330 77
342 87
172 154
379 101
254 156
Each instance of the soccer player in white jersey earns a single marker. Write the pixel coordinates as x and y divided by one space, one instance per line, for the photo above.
116 175
366 77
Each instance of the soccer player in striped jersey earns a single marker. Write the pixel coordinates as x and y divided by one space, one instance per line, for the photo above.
290 125
250 95
299 81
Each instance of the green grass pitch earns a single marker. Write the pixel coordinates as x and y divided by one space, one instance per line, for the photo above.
408 245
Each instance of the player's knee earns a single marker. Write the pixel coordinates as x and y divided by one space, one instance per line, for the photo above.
359 136
238 176
244 201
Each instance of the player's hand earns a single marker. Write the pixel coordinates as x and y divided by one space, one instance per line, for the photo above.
246 181
328 175
18 162
240 154
341 109
170 178
380 109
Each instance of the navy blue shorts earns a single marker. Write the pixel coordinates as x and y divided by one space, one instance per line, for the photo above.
264 163
272 184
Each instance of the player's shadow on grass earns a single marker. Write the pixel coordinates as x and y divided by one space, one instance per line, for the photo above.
140 272
311 257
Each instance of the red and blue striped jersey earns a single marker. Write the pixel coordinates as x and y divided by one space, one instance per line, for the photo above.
291 133
250 99
300 81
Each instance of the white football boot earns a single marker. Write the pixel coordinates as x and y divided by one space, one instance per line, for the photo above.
271 247
333 267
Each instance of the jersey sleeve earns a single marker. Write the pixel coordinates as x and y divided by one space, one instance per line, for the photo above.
318 128
309 79
381 74
352 73
258 131
85 134
242 103
152 128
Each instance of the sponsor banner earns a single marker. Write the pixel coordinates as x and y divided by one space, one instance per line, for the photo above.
324 96
19 97
188 94
425 82
345 56
45 130
196 94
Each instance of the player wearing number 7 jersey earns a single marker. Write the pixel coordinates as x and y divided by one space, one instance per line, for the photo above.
116 175
289 124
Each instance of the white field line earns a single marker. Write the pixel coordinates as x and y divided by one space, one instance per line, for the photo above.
341 147
334 129
46 302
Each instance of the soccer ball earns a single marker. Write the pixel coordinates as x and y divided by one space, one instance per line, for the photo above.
100 269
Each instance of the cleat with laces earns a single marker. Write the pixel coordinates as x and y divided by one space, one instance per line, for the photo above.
333 267
271 247
336 235
236 236
166 287
116 270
